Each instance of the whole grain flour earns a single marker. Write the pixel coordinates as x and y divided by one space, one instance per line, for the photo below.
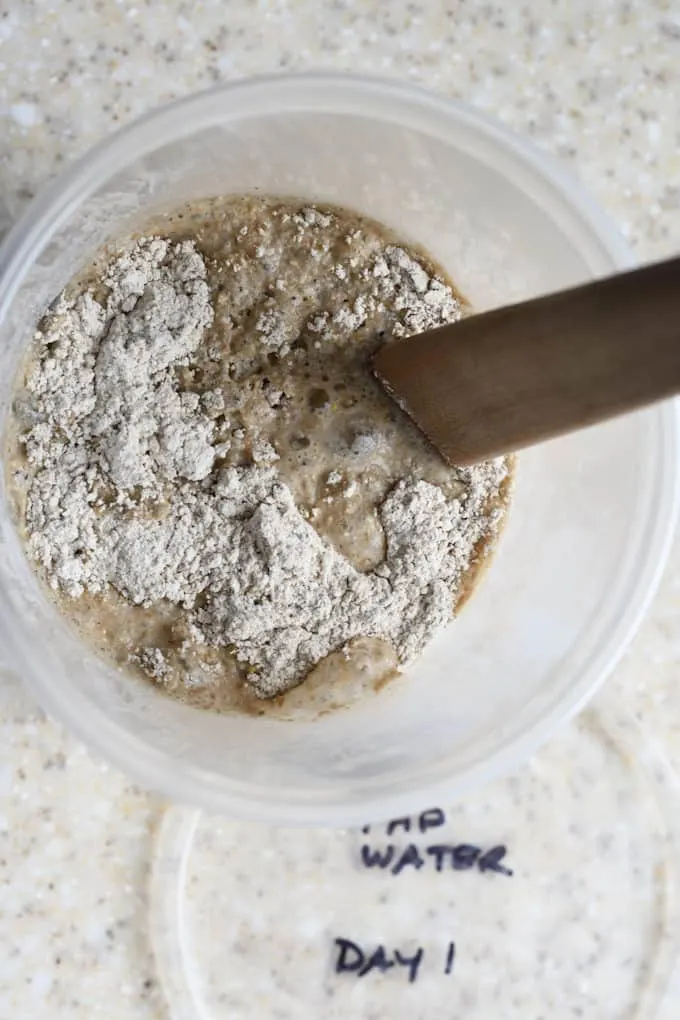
128 485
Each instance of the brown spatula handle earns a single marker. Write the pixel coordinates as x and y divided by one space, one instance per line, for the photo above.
505 379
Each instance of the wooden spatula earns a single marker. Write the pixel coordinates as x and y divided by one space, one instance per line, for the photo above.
505 379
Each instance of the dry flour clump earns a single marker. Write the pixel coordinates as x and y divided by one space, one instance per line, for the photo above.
127 488
111 427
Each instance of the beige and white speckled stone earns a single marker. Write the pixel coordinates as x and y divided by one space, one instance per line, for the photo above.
75 848
597 88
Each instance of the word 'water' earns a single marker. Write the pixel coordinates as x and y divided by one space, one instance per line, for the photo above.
443 856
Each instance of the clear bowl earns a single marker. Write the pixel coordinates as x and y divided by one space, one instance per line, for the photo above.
592 514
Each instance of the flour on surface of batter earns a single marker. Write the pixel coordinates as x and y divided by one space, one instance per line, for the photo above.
211 475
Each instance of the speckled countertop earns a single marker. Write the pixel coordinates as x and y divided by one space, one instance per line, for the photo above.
596 85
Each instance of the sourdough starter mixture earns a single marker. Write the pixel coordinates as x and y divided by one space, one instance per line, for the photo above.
210 480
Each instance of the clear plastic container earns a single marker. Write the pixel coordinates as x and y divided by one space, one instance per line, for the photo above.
592 515
551 893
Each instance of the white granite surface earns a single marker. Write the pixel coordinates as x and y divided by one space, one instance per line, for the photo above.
598 85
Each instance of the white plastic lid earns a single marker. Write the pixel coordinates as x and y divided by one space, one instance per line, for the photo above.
548 895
